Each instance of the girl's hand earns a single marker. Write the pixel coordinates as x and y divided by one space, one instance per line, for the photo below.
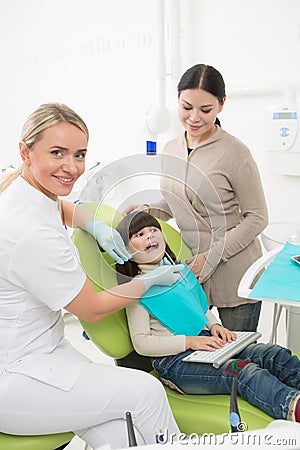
223 333
196 264
209 343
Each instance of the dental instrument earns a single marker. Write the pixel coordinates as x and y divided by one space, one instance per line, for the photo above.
173 262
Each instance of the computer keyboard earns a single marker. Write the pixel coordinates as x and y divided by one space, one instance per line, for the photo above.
230 349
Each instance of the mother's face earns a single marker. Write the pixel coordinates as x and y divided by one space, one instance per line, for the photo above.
197 111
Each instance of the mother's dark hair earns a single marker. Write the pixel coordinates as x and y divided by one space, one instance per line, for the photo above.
202 76
130 225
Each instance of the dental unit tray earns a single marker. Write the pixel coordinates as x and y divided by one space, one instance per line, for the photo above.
245 291
280 282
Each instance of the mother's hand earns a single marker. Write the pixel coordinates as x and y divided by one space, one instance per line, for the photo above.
196 264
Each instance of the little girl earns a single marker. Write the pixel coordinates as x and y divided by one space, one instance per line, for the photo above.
268 376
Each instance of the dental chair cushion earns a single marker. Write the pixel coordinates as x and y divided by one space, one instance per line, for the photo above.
45 442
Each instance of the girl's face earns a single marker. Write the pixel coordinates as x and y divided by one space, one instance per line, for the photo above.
56 160
149 242
197 111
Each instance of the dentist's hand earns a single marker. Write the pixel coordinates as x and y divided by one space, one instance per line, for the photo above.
196 264
109 239
163 275
165 262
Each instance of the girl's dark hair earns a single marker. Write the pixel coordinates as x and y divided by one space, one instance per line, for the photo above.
130 225
202 76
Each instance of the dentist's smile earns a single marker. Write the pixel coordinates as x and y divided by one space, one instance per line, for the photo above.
65 180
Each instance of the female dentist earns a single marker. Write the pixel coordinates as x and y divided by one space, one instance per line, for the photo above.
46 386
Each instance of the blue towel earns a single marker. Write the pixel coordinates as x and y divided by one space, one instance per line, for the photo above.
181 308
281 279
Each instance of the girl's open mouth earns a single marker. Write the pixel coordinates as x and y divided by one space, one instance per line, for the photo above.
153 245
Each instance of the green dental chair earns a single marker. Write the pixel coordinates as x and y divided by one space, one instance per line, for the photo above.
194 413
46 442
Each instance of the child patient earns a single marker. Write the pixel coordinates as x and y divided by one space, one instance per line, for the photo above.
169 323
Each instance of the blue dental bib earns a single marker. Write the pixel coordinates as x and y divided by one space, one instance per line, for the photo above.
181 307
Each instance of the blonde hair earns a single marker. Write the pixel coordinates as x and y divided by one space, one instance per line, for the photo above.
45 116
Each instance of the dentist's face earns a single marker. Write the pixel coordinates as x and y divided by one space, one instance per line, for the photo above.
56 160
150 244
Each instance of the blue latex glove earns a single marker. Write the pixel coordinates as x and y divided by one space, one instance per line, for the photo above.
109 239
163 275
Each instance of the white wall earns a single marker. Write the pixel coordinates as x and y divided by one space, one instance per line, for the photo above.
97 56
100 57
255 44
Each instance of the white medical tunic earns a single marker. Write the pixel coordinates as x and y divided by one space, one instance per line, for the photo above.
46 386
40 273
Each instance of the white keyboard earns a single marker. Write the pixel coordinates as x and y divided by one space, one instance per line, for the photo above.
221 355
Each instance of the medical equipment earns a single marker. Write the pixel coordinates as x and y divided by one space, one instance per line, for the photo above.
283 130
172 262
234 414
293 311
277 233
130 430
157 120
275 236
230 349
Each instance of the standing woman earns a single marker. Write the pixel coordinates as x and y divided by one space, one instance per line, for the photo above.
212 187
46 386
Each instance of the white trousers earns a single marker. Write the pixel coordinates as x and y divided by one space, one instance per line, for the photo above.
94 408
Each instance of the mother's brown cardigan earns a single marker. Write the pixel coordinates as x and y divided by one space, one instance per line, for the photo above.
216 197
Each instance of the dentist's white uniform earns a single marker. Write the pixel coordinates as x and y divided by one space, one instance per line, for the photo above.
46 386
